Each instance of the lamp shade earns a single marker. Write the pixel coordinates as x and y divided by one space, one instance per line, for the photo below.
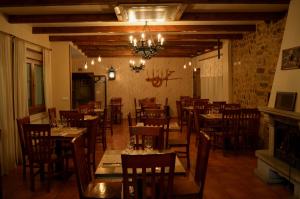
111 73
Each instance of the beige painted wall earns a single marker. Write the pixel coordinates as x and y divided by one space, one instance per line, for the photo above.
211 58
23 32
61 75
130 85
288 80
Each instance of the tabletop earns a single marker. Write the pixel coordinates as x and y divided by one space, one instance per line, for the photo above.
211 116
66 132
110 165
98 110
90 117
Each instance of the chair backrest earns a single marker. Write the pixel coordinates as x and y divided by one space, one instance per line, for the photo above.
250 119
155 133
202 160
39 142
83 173
63 114
160 169
200 103
23 142
178 108
73 119
231 120
189 127
52 117
97 104
86 109
154 113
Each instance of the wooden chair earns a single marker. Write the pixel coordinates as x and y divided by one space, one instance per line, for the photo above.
20 123
63 114
230 128
179 114
183 143
101 131
160 122
186 188
86 109
116 109
73 119
107 121
157 184
153 113
52 117
40 151
140 133
221 105
138 112
87 187
249 126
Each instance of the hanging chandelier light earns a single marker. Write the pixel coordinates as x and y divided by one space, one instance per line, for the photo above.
146 46
137 67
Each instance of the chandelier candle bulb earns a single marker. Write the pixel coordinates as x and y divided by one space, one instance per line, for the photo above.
131 38
143 37
149 42
162 41
158 37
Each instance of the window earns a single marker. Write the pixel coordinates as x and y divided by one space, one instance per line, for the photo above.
35 82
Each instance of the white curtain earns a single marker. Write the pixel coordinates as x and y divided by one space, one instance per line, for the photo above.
8 136
20 87
47 78
211 79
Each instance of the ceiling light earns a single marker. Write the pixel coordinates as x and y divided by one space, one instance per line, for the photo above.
99 59
85 66
195 69
184 66
146 48
92 62
190 63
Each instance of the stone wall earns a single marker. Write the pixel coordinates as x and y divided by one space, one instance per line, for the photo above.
254 61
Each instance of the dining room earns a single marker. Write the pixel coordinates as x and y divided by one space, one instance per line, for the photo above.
150 99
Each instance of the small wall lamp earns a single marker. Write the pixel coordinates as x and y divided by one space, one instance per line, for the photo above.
111 73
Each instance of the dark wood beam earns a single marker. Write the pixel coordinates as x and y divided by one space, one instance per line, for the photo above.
10 3
126 43
166 48
61 18
125 38
135 29
232 16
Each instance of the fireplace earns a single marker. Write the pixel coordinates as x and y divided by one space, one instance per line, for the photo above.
287 143
282 158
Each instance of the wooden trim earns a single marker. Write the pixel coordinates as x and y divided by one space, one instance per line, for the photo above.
133 29
21 3
61 18
232 16
124 38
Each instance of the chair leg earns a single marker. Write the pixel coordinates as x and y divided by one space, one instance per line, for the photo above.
188 156
24 166
31 177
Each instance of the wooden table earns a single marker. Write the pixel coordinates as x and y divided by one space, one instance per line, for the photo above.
110 165
212 116
67 133
90 117
98 110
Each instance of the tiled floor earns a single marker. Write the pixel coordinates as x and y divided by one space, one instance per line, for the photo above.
229 177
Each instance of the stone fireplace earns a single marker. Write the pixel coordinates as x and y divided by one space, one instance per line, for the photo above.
282 158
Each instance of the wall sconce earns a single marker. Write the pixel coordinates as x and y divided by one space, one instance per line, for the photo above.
111 73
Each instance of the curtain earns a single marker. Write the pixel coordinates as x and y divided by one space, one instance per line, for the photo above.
211 79
8 137
47 78
20 87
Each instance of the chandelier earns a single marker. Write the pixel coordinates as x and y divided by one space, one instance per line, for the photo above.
137 67
146 47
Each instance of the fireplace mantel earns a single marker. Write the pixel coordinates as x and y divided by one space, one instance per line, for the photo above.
282 113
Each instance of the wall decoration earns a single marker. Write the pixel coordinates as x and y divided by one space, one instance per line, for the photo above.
158 77
291 58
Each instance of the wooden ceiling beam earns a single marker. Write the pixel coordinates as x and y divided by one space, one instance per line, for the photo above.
232 16
111 17
124 38
135 29
61 18
113 48
22 3
126 43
